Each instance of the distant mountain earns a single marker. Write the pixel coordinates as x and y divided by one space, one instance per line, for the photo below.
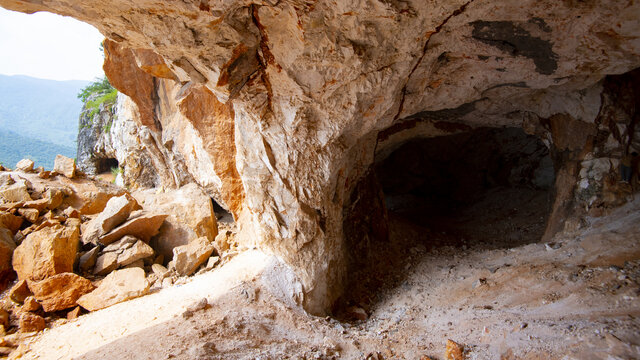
46 110
15 147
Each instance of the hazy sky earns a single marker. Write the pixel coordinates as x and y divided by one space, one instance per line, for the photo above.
49 46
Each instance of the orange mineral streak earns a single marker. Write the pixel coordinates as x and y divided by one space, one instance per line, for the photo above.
215 123
124 74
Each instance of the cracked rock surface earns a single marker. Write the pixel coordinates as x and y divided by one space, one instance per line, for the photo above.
276 108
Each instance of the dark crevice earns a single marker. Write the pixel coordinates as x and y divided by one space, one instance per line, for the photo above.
222 215
105 165
264 55
474 191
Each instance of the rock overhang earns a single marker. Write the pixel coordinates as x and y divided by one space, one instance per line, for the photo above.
313 85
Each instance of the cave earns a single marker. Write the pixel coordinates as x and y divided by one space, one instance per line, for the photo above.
104 165
487 186
482 189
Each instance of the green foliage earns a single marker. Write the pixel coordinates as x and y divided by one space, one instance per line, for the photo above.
107 127
93 106
99 86
115 171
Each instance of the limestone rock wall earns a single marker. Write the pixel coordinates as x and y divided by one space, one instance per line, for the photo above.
308 87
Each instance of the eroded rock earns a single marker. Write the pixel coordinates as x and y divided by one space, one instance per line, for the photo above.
190 216
61 291
118 286
30 214
10 221
25 165
20 291
106 263
15 193
46 252
308 125
187 258
31 322
143 226
65 166
138 251
115 213
88 260
454 351
30 304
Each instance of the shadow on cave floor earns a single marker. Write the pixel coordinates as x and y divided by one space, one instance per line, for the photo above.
501 218
434 216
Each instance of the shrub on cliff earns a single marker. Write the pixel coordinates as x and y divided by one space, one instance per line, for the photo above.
100 86
95 94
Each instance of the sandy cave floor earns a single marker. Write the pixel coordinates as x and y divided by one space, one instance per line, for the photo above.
573 298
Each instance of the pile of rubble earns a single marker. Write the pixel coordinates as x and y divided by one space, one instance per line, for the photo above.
79 245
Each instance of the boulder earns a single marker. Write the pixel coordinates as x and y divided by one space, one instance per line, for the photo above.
25 165
106 263
4 318
6 180
454 351
17 192
143 227
31 304
44 174
160 271
30 214
190 216
10 221
93 201
126 242
54 198
119 286
20 291
65 166
46 223
115 213
60 291
135 264
73 222
187 258
224 241
31 322
73 314
140 250
7 246
88 260
40 204
50 215
71 213
46 252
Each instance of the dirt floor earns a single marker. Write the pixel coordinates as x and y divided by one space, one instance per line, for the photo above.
482 281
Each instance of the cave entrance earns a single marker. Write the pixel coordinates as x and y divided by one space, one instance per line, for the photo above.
435 199
106 165
487 187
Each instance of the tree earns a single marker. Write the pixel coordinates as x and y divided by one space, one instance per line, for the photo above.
99 86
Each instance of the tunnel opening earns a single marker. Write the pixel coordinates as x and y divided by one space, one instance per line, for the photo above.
106 165
486 186
484 189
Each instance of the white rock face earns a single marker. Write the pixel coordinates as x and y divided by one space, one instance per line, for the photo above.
279 110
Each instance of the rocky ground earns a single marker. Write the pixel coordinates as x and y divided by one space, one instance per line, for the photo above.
71 244
575 297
